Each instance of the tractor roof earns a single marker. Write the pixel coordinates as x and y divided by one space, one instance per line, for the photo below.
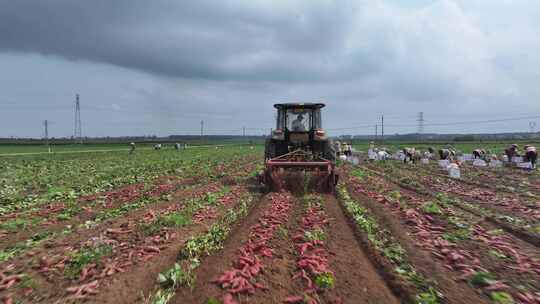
295 105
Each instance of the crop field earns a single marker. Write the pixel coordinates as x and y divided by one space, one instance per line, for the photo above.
194 226
496 147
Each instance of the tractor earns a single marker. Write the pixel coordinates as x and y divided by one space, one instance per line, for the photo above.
299 146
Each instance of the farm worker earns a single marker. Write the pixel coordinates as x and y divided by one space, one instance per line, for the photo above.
131 148
531 155
478 153
382 155
408 153
337 147
348 149
298 125
447 154
511 151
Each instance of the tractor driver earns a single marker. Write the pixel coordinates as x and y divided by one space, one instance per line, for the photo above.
298 125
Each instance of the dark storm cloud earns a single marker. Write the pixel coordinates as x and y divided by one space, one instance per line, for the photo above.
156 66
192 39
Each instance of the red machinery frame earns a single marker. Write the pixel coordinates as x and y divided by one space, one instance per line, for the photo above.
300 160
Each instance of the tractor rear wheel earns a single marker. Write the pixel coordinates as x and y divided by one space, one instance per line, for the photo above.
269 149
328 151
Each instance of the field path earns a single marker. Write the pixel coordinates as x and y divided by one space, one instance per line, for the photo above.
218 263
356 277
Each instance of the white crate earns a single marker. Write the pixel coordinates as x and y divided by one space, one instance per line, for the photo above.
479 163
454 173
495 163
467 157
444 163
524 165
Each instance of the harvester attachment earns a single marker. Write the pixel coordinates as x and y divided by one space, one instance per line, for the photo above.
299 170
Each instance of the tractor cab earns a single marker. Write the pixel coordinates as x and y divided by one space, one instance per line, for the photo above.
299 124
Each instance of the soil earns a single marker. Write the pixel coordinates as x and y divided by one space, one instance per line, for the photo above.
422 260
441 183
53 285
142 278
502 268
362 274
277 275
181 188
433 186
357 280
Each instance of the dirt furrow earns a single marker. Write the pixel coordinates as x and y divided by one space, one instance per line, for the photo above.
356 279
462 235
453 292
274 278
52 283
520 206
143 276
153 199
491 213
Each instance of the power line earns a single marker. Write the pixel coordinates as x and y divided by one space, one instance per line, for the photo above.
482 121
424 124
468 122
351 128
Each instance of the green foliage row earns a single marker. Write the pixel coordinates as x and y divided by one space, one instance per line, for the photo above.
26 182
382 241
183 272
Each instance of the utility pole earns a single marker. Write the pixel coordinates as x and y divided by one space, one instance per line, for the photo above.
77 134
202 130
382 129
243 131
420 125
375 133
46 125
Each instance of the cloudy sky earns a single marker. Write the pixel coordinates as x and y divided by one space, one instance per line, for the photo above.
160 67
